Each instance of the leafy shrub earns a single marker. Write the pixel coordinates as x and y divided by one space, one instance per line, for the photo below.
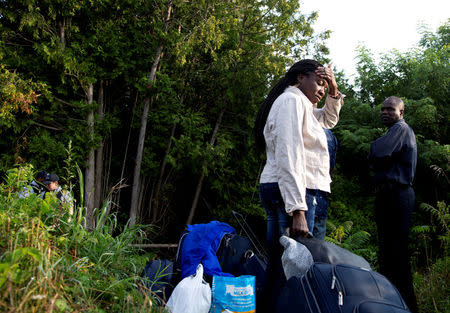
431 287
50 262
354 241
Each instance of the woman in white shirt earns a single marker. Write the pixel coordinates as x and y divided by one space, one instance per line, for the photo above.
289 127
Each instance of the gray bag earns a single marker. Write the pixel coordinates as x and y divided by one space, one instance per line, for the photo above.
296 258
327 252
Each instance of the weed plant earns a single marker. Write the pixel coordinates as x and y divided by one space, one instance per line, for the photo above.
432 287
50 263
356 242
432 283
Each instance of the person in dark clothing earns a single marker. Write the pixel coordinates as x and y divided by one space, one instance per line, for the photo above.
36 186
393 158
51 183
318 200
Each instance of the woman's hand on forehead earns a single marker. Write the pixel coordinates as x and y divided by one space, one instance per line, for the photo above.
327 74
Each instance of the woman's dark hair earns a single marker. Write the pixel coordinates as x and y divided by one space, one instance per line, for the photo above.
290 78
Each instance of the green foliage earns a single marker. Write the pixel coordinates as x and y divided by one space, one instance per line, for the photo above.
17 95
420 75
423 112
357 242
69 167
437 230
350 200
48 261
431 287
431 153
442 216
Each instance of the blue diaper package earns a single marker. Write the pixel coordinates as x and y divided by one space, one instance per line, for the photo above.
233 294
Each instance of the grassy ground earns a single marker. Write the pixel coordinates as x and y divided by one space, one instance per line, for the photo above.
432 287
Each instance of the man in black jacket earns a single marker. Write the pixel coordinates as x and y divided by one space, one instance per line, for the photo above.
393 158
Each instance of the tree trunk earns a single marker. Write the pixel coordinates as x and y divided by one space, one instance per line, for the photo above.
89 174
99 153
137 168
202 176
155 204
62 31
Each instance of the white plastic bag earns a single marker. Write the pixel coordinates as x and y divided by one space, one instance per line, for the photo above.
296 258
191 295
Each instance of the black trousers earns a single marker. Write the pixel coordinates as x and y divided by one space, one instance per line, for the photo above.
394 204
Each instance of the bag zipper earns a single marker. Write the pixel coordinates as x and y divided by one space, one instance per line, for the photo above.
335 283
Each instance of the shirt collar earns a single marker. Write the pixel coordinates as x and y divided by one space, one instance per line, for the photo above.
400 121
298 92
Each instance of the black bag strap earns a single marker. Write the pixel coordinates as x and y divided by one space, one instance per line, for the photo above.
259 248
177 256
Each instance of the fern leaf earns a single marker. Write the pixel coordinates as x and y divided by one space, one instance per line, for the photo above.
357 240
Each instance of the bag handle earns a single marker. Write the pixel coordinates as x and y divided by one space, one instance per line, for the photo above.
199 272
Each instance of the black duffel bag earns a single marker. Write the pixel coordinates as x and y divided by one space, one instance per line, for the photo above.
159 279
327 288
232 251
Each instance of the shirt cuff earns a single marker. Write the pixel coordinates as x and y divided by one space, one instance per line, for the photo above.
291 210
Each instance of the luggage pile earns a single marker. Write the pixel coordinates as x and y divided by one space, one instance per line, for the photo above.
212 254
320 276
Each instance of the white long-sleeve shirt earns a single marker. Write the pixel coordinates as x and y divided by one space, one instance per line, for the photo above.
296 146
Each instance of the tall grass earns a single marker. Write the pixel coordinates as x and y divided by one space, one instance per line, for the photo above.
432 283
432 287
50 263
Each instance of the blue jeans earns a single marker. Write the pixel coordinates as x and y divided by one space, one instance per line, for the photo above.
277 223
318 203
277 218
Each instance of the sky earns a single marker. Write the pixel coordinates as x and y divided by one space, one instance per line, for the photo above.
381 25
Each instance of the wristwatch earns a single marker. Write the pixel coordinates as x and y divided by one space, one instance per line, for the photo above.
337 96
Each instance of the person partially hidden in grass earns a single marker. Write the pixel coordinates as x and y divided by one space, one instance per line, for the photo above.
393 157
51 183
36 186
